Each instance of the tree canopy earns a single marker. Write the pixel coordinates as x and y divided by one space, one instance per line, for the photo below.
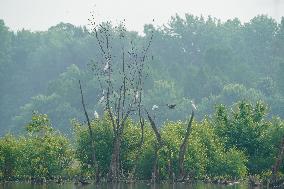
192 58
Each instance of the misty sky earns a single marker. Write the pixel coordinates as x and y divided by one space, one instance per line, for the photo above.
41 14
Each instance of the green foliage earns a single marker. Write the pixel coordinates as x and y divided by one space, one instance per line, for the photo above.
235 164
230 93
195 158
9 154
197 58
103 145
41 153
130 151
39 123
235 142
205 154
46 152
244 128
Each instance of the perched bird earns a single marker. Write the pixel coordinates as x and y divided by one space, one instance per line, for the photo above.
193 105
171 106
106 66
102 99
96 115
155 107
136 95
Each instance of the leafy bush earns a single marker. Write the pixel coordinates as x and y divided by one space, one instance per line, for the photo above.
44 152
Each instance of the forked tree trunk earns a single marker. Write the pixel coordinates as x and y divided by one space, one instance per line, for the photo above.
183 147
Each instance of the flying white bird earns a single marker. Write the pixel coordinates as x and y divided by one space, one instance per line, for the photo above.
193 105
155 107
96 115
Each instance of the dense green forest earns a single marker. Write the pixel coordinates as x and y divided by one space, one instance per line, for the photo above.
107 103
196 58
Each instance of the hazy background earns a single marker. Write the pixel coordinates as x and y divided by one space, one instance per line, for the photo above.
216 62
41 14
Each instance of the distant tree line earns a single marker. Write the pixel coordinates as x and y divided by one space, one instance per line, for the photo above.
192 57
137 89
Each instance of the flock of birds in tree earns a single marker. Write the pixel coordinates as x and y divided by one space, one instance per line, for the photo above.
155 107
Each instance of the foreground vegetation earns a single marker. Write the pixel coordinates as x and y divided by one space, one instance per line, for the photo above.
236 142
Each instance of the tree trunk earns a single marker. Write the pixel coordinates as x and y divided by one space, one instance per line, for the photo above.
155 173
139 146
183 147
155 129
113 175
170 168
278 161
94 159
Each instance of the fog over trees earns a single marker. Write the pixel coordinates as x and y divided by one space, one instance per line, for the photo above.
195 99
192 58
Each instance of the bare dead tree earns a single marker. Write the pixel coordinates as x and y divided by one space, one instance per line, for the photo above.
94 159
155 128
119 69
182 150
157 147
183 147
